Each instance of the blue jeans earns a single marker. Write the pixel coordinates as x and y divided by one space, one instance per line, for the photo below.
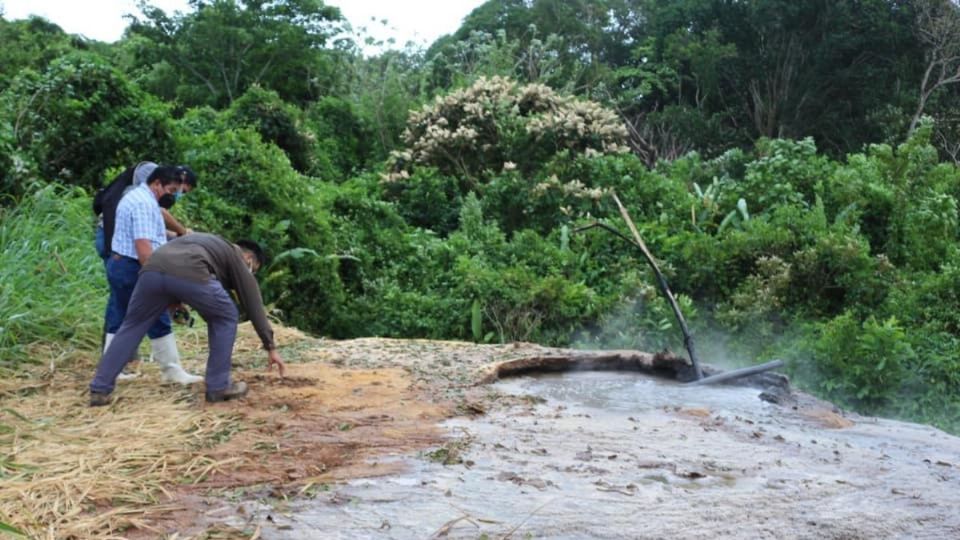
99 243
152 295
122 275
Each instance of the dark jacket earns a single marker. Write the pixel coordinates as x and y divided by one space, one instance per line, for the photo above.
200 257
107 198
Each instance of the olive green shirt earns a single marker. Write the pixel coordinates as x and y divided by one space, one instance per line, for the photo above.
200 257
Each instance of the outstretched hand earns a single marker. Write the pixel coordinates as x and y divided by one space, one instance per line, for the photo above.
275 360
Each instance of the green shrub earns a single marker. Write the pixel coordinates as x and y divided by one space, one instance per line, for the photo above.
756 309
862 365
17 170
927 229
517 304
200 120
932 382
276 122
341 134
32 43
710 267
81 116
862 192
651 196
396 277
248 190
427 199
784 172
836 272
904 201
641 318
929 300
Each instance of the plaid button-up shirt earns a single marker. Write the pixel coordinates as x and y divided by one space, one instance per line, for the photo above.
138 218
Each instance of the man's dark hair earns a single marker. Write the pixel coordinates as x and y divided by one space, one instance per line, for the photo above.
166 174
188 176
255 249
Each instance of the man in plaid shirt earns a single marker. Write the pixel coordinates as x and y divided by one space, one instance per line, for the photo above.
139 230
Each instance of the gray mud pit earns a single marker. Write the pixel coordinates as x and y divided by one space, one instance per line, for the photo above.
625 455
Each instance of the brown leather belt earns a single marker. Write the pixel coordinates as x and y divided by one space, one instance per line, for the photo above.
116 256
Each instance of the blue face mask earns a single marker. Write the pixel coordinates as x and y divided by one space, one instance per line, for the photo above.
177 195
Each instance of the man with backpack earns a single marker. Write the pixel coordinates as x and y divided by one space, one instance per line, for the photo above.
133 225
106 199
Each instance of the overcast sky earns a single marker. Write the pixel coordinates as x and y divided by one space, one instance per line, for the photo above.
421 21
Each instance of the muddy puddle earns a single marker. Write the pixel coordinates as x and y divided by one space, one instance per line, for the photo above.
623 455
626 392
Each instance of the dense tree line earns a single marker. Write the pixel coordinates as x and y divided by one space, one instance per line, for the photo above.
708 75
792 164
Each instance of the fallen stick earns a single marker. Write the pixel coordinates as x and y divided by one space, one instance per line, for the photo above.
687 338
443 531
737 373
638 243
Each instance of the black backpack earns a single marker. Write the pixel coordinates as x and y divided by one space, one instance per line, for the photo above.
106 199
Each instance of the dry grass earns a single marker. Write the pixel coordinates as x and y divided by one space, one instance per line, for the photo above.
72 471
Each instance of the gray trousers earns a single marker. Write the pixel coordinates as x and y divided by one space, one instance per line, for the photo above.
153 294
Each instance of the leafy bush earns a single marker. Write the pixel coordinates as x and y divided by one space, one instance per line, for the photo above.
652 196
757 306
82 116
521 285
427 199
17 169
641 319
903 200
31 43
863 193
929 300
861 364
200 120
387 268
930 390
342 136
276 122
517 304
835 273
249 190
784 172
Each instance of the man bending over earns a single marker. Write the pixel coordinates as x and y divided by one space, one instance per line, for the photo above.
198 270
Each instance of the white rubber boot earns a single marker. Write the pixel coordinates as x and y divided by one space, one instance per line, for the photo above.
166 354
124 375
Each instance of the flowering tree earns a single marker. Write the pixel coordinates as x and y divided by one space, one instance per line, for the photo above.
497 125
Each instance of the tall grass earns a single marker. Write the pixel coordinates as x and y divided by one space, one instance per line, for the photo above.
52 284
